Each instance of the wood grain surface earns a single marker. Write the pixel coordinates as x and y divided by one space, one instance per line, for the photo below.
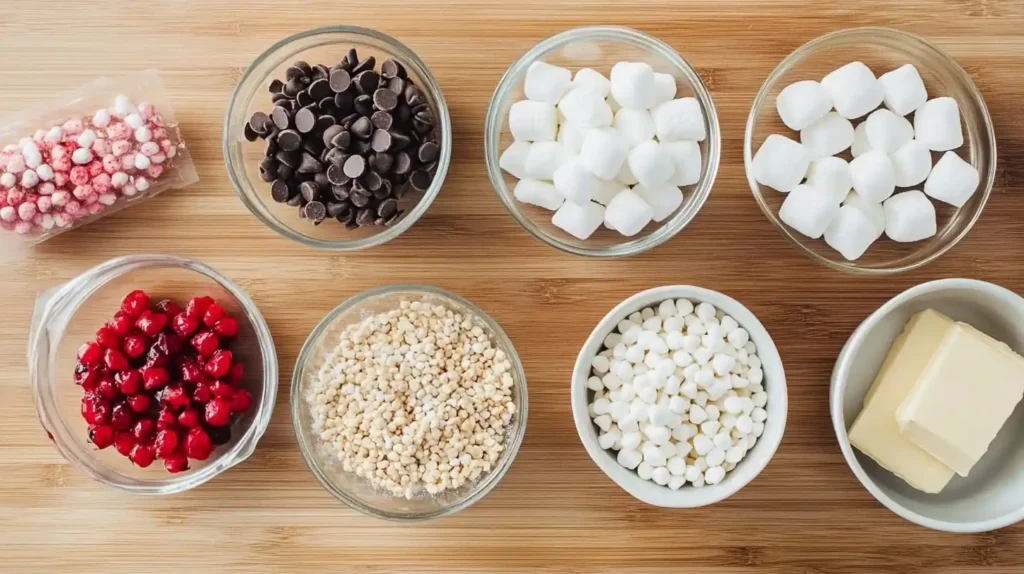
554 511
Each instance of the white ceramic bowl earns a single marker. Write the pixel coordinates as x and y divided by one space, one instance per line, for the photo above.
993 495
774 385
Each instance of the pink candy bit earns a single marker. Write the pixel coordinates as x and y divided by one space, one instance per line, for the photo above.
4 158
146 110
79 175
96 208
101 183
128 162
155 171
73 207
111 164
60 178
91 199
39 135
15 196
157 120
16 164
60 198
149 149
73 126
119 131
160 134
23 227
120 147
44 203
83 191
47 222
46 188
101 147
95 168
3 199
62 219
158 158
26 211
8 225
8 213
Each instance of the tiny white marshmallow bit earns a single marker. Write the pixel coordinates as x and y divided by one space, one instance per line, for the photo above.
543 159
628 213
652 166
809 211
937 124
909 216
546 83
532 191
29 179
141 161
118 179
686 161
81 156
101 118
86 138
828 136
45 172
802 103
850 233
680 119
134 121
903 89
603 153
56 132
577 220
531 121
575 183
854 89
585 109
633 86
123 106
953 180
663 200
143 134
141 184
513 159
781 163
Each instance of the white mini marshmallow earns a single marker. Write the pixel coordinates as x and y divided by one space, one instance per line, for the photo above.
539 193
575 183
850 233
635 126
86 138
134 121
142 162
854 90
663 200
29 179
860 140
873 210
56 132
664 87
531 121
781 163
651 165
686 161
544 158
123 106
607 190
546 83
45 172
628 213
937 124
679 119
585 109
887 131
830 175
909 216
953 180
873 175
903 90
802 103
912 163
570 137
81 156
632 85
603 153
591 79
101 118
513 159
808 210
8 180
577 220
828 136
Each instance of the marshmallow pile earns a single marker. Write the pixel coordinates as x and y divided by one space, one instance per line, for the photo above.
678 392
603 150
78 168
888 152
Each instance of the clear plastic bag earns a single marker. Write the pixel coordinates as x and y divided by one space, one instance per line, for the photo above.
90 153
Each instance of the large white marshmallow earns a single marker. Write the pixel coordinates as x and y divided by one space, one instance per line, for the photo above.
909 216
513 159
603 153
575 182
808 210
912 163
628 213
802 103
686 159
570 137
903 89
828 136
544 158
953 180
830 175
531 121
591 79
580 221
632 85
663 200
860 140
664 87
873 176
874 211
635 126
607 191
781 163
854 89
937 124
546 83
887 131
679 119
651 165
850 233
585 109
540 193
625 175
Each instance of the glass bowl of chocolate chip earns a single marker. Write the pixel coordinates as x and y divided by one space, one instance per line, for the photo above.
338 138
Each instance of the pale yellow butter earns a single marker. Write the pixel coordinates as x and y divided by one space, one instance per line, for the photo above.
876 432
962 398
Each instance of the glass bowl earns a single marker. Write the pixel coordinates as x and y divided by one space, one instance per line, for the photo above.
356 491
600 47
882 49
323 45
68 315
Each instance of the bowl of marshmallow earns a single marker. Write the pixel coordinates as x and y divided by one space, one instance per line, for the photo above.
870 150
602 141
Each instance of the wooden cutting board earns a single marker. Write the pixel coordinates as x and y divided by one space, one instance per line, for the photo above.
554 511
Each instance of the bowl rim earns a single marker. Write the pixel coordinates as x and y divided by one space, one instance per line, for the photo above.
69 296
988 137
667 229
515 438
840 374
409 58
777 391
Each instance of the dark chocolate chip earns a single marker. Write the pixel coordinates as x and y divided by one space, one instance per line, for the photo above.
428 152
420 127
393 219
341 192
324 121
363 104
400 191
424 117
309 164
396 85
381 120
295 200
385 189
346 216
399 140
305 120
346 122
293 87
342 140
380 162
385 99
327 106
249 133
272 146
277 98
366 82
392 69
259 123
360 146
320 89
387 208
284 171
276 86
381 141
335 156
402 114
282 117
360 198
355 166
420 180
412 96
372 181
351 59
330 132
280 191
340 80
334 208
289 140
365 217
309 190
303 98
313 146
402 163
291 159
315 211
320 72
293 72
336 175
362 128
344 102
321 180
365 65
